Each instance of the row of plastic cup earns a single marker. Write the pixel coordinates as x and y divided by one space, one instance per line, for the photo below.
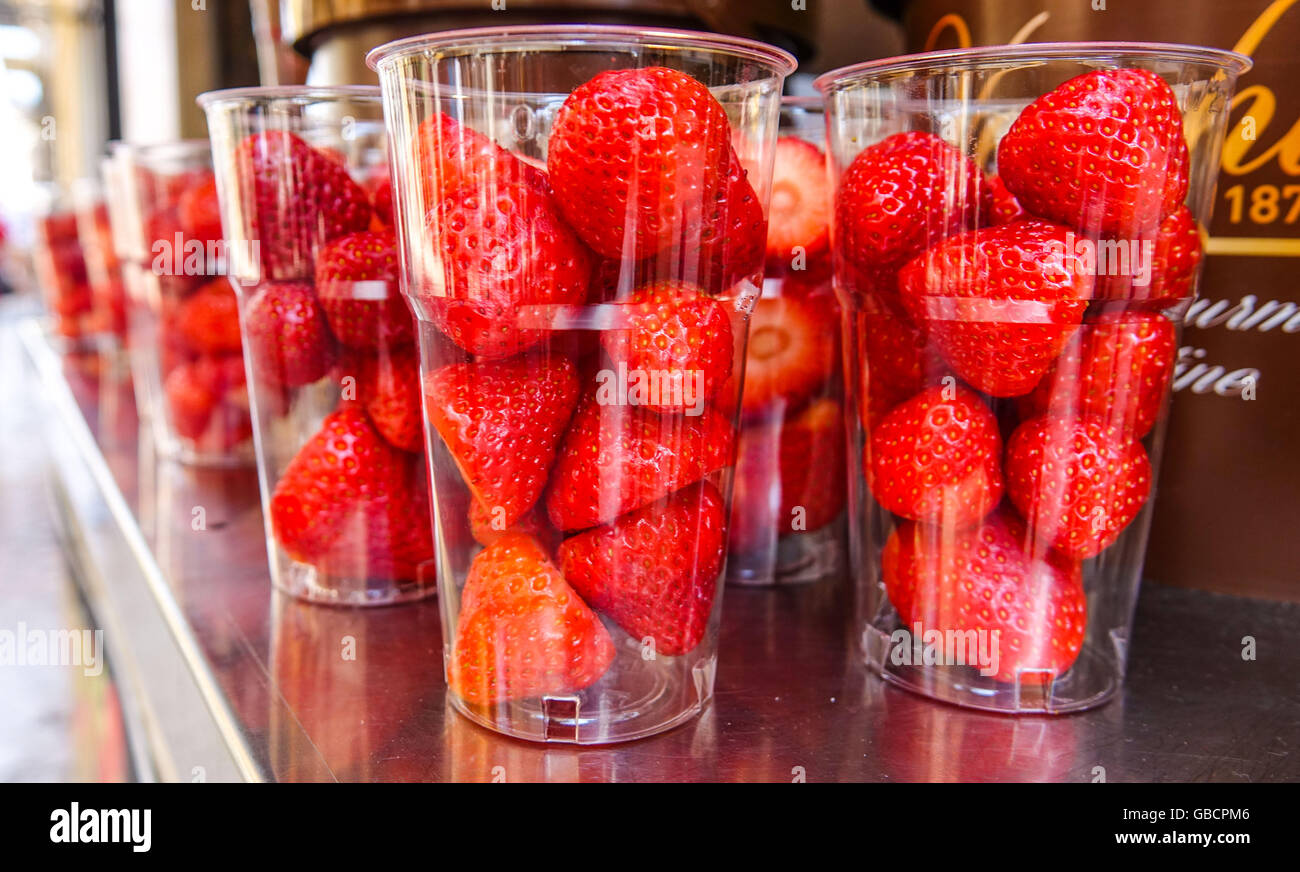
497 317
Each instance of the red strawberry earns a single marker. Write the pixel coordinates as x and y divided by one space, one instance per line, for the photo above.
357 281
897 361
503 249
937 457
998 205
1177 254
812 467
301 199
1116 369
390 538
208 320
901 195
674 331
190 400
982 578
1104 153
999 303
635 156
289 341
381 200
792 353
522 631
799 217
231 422
618 458
199 212
654 570
352 504
451 156
502 422
487 526
1077 481
728 244
389 387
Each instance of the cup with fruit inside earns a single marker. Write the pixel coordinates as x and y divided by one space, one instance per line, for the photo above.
333 379
1012 256
582 251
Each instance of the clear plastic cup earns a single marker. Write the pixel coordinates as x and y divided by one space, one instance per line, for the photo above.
184 325
1016 238
788 505
329 341
581 213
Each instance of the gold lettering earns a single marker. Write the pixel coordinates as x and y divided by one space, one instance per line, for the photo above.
1261 105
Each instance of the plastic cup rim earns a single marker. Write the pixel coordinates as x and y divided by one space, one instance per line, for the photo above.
266 93
1232 61
482 39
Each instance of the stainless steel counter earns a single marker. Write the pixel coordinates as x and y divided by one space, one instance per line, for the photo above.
234 682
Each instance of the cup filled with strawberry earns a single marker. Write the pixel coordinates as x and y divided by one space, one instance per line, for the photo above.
789 498
103 269
329 341
1017 232
60 267
582 217
183 317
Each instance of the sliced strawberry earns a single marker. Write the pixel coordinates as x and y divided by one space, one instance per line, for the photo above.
301 199
615 459
1077 481
982 579
208 320
522 631
675 332
999 303
357 278
902 195
1117 369
389 386
937 457
792 353
635 156
799 217
352 504
654 570
502 422
289 341
505 250
1103 152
